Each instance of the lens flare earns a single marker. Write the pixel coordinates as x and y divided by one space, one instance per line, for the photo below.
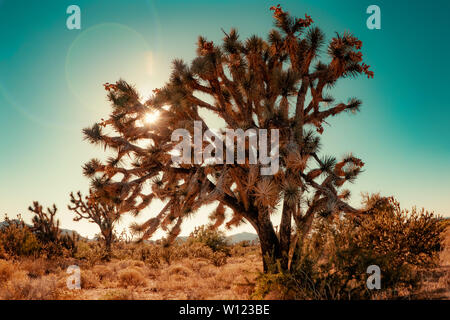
151 117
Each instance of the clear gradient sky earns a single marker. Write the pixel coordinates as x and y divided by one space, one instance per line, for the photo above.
51 87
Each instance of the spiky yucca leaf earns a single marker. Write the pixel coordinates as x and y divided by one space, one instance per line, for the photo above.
266 193
93 134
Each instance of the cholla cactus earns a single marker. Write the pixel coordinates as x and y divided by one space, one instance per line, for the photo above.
99 212
278 83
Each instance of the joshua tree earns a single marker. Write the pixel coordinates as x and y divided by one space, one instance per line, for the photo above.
99 212
47 230
45 225
277 83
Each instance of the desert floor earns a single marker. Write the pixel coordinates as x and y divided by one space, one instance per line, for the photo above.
185 278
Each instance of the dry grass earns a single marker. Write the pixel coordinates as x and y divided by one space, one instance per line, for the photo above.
131 277
20 287
436 284
191 273
190 277
445 255
6 270
118 294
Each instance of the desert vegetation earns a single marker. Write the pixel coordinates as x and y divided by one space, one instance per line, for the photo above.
331 265
199 268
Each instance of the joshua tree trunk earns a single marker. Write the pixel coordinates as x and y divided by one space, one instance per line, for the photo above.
285 236
108 249
270 245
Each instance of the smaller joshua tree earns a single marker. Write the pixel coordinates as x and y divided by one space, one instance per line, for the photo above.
97 211
46 228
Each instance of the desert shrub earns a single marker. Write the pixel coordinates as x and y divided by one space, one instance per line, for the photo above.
150 255
192 250
196 264
219 258
179 250
207 271
307 279
332 262
168 254
17 239
405 237
20 287
135 251
3 254
58 249
243 286
123 264
131 277
89 279
245 243
122 250
199 250
90 252
445 223
118 294
36 268
103 273
7 269
180 270
241 249
210 237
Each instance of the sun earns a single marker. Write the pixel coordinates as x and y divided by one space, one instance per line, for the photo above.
151 117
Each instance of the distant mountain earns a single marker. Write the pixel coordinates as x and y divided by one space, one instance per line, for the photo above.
182 239
71 233
243 236
4 224
233 239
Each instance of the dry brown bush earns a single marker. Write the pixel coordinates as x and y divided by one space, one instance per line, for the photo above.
17 239
131 277
179 269
332 263
90 253
21 287
104 273
118 294
192 275
3 254
219 258
89 279
208 271
36 268
7 269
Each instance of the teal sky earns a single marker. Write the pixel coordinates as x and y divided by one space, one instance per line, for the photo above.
51 87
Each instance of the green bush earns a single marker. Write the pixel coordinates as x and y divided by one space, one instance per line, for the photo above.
17 239
90 252
332 262
212 238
